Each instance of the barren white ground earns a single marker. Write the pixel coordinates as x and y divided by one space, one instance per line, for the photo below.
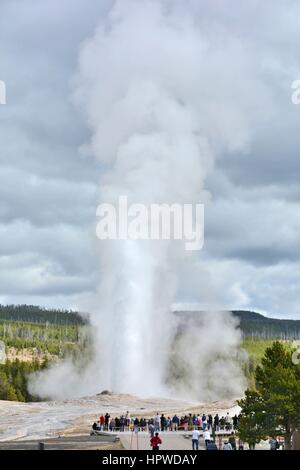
26 421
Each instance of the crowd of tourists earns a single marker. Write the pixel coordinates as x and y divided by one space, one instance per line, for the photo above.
160 422
201 426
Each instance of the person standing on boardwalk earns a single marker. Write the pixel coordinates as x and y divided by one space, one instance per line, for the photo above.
206 435
216 422
155 442
156 422
175 423
102 422
227 446
106 421
151 429
195 439
162 422
232 441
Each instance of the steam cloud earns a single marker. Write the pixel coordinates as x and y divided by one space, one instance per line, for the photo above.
148 84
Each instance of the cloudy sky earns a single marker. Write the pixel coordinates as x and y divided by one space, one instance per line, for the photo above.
49 187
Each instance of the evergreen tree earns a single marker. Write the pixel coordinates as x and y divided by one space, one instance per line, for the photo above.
273 409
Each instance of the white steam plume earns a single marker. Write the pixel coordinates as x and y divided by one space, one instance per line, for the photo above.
149 86
206 357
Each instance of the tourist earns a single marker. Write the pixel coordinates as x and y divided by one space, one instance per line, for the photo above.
195 439
156 420
235 421
155 441
106 421
185 423
206 436
136 425
222 423
127 419
211 445
252 444
168 423
217 422
241 444
113 424
228 422
122 423
227 446
232 441
175 423
273 443
102 421
162 422
199 421
143 424
149 422
95 427
151 429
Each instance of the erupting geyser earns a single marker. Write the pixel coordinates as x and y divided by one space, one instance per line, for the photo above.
145 83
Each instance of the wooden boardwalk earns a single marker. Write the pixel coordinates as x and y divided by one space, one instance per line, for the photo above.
170 441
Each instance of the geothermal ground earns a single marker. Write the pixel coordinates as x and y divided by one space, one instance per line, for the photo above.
33 421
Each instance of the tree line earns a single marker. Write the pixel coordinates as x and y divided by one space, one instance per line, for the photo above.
51 338
252 324
35 314
14 380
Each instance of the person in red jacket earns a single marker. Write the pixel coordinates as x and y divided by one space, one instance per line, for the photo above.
155 441
102 421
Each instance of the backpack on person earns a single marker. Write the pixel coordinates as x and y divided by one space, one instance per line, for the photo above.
211 446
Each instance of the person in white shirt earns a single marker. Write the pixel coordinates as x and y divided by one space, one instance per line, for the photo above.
206 436
195 439
156 420
228 422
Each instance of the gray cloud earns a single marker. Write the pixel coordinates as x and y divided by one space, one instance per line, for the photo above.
48 187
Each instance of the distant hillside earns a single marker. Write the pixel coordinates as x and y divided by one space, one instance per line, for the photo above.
255 324
30 332
252 324
34 314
